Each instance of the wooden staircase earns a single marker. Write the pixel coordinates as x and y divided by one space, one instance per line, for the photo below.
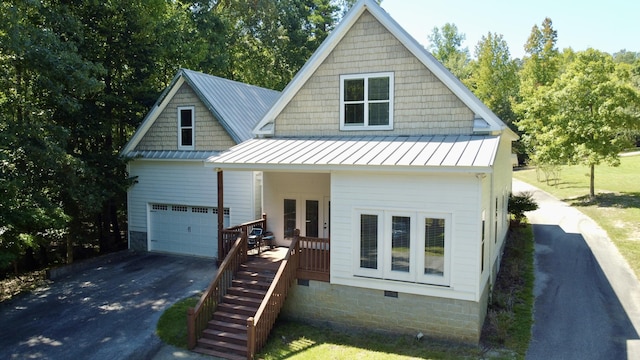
226 334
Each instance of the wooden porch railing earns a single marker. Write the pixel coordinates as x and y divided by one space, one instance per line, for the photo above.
229 235
314 258
258 327
198 317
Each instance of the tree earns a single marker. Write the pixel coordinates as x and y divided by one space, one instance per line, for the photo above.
588 110
540 68
44 80
494 76
446 45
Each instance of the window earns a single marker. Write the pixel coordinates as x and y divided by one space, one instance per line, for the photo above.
404 246
366 101
186 127
369 241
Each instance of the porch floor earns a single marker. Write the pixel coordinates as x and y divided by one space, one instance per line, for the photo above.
267 259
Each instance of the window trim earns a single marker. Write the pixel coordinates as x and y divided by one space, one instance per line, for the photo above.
448 223
388 271
360 271
192 127
417 234
366 78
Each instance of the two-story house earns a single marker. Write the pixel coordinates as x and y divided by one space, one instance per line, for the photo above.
377 147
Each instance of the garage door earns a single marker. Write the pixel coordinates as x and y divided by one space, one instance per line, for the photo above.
183 229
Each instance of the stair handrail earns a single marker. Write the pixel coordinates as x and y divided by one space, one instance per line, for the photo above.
199 316
259 326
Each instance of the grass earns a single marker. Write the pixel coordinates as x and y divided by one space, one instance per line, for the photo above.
616 206
293 340
510 313
172 325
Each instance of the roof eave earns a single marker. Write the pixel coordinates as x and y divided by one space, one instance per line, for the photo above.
312 168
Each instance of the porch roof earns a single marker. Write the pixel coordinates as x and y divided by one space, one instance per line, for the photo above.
390 153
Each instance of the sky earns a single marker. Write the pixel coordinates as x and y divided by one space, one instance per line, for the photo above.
606 25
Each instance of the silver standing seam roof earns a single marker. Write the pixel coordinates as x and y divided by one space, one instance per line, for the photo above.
237 106
441 153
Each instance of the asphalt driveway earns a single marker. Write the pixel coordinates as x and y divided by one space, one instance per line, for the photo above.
107 308
587 302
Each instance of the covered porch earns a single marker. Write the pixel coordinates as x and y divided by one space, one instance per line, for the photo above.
313 252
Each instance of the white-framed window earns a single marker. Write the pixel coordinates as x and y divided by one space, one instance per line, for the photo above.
186 127
366 101
403 245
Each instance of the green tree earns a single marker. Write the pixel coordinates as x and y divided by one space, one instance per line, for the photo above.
589 110
541 65
540 68
445 44
494 77
44 81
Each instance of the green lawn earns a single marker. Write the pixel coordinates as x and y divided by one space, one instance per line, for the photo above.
616 207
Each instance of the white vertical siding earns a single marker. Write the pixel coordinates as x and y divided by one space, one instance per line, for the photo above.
187 183
454 194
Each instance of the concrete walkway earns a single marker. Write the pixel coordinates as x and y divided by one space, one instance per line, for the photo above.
598 302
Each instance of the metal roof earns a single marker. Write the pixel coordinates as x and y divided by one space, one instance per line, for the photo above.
432 153
172 154
238 106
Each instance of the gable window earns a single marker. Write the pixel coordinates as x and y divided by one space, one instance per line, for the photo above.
405 246
186 128
366 101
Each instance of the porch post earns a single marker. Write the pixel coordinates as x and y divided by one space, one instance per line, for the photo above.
221 253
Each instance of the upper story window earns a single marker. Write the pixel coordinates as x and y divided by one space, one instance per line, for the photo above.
186 128
366 101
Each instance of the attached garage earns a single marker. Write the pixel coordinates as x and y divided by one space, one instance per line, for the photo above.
182 229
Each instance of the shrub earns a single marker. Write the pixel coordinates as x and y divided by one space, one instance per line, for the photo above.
519 204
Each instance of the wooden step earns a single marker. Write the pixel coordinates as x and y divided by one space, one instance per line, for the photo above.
251 284
219 354
237 309
252 274
230 317
226 336
227 326
242 300
222 346
241 291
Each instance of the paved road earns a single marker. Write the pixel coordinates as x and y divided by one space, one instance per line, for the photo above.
107 310
587 298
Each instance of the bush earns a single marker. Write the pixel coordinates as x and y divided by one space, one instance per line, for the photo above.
519 204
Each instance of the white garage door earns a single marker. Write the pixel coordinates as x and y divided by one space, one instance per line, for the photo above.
182 229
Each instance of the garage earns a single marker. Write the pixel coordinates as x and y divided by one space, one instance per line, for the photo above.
183 229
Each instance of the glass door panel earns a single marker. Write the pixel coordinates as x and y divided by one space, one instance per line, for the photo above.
400 243
289 217
311 218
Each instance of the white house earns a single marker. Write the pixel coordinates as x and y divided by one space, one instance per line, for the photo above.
378 147
172 207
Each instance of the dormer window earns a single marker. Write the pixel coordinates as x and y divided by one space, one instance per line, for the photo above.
366 101
186 128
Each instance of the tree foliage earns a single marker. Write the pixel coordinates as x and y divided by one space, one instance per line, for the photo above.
583 117
494 77
445 44
77 81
